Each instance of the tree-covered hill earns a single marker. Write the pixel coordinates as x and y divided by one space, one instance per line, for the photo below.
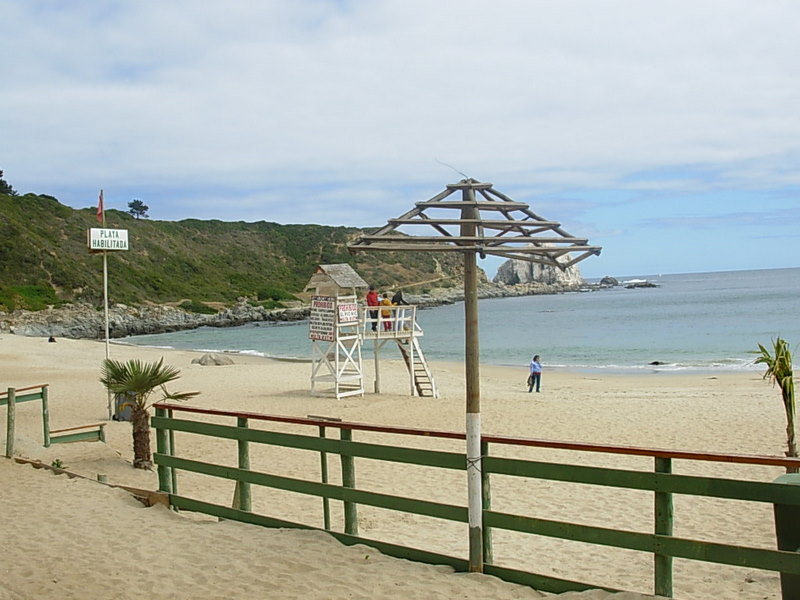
44 259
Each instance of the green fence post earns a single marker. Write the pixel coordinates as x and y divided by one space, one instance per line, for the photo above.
162 447
349 481
663 526
11 426
171 451
787 530
323 460
46 416
243 487
488 555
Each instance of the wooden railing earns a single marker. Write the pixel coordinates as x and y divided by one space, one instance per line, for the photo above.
396 320
40 393
661 481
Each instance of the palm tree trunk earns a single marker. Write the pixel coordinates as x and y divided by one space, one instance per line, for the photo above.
788 401
140 419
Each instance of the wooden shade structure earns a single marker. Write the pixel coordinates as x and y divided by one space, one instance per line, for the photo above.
487 223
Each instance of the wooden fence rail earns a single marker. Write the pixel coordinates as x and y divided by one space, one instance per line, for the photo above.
662 482
41 393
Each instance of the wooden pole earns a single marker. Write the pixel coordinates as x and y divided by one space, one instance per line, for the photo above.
663 526
162 447
348 481
171 451
11 424
787 530
488 553
245 502
377 360
473 416
45 416
323 464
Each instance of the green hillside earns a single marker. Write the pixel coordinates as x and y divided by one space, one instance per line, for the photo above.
44 258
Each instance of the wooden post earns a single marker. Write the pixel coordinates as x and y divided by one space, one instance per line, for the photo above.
348 481
377 358
472 366
787 530
11 422
323 463
171 450
663 526
162 447
488 553
243 487
46 416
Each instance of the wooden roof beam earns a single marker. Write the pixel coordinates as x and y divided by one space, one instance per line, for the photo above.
480 204
452 245
426 220
475 239
468 184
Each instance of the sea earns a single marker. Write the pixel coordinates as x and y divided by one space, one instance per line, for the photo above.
693 322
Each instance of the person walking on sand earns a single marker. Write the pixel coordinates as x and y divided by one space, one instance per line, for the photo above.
535 378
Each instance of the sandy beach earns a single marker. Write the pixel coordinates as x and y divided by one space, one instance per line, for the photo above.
76 538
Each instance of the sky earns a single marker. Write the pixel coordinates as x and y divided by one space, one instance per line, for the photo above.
666 132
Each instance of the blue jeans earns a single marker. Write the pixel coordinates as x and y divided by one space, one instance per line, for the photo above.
535 380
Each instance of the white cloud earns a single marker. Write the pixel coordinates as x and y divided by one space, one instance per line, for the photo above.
354 102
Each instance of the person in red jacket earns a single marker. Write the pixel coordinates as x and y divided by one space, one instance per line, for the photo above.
372 300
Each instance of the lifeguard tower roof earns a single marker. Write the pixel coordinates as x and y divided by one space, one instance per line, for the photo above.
341 277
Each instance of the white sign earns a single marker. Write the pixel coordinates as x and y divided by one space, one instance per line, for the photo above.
348 313
322 322
108 239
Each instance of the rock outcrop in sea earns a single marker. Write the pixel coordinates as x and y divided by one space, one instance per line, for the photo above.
516 272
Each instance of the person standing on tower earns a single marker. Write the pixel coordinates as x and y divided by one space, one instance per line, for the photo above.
372 300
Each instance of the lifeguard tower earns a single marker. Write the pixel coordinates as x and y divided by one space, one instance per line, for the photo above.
334 332
338 326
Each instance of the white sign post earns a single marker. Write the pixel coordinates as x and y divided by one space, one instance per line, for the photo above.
105 241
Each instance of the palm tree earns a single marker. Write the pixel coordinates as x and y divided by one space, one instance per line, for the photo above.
779 370
138 380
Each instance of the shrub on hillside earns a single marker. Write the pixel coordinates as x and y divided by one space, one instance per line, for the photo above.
194 306
28 297
274 293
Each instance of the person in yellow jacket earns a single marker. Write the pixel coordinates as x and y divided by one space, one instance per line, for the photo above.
386 314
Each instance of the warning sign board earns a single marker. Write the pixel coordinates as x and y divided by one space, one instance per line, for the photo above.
348 313
322 320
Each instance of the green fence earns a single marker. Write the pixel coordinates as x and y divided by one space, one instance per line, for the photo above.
41 393
661 481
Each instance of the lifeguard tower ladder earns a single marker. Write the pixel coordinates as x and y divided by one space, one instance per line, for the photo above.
399 324
334 332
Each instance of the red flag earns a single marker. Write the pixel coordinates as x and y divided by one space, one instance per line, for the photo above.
100 210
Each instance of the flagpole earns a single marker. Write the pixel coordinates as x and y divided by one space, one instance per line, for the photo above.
102 215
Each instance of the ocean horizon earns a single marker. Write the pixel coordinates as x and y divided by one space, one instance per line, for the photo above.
690 322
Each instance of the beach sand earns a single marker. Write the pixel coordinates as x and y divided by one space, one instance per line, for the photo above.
76 538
